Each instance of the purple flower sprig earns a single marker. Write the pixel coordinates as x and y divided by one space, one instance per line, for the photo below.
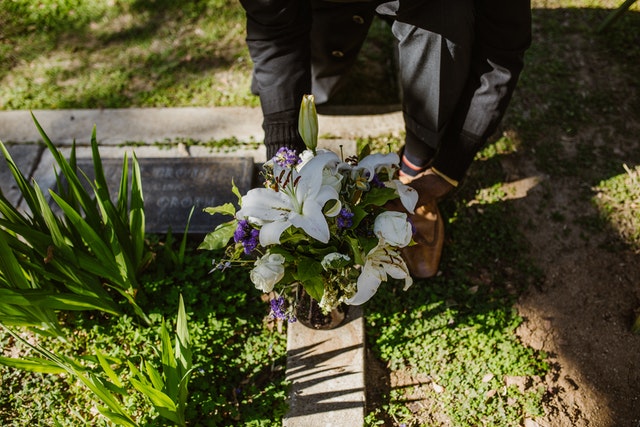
246 235
286 157
344 218
278 310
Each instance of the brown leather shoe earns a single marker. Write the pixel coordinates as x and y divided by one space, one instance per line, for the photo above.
423 258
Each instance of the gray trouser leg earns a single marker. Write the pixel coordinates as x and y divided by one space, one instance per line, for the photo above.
435 39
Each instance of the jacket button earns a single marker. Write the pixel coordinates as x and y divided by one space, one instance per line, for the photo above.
358 19
337 53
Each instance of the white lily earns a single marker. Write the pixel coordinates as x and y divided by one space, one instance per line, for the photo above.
298 201
379 262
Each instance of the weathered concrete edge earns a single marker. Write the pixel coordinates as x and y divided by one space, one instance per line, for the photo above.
326 369
152 125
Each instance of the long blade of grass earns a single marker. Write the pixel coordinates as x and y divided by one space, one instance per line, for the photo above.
32 364
183 242
158 399
9 265
137 220
123 192
53 301
52 223
169 366
92 239
94 383
22 183
183 342
154 376
83 198
107 370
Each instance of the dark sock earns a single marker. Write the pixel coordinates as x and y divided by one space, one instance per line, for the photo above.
416 155
281 130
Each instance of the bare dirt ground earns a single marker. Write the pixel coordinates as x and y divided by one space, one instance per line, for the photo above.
582 313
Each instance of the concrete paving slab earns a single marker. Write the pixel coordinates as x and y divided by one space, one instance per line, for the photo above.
326 371
115 126
150 125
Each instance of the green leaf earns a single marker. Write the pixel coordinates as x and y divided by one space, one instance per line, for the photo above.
154 376
359 214
55 301
234 190
226 209
365 151
137 218
159 400
183 342
309 274
378 196
93 240
9 265
314 287
308 268
355 249
107 370
32 364
117 419
219 238
169 365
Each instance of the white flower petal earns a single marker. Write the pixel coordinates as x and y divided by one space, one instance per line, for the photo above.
374 162
312 221
270 232
368 283
264 204
408 195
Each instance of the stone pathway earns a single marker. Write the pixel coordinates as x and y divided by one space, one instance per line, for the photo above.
326 368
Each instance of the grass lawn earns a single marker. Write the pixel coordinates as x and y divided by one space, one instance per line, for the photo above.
449 343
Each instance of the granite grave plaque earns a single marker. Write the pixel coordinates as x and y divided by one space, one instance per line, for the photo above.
25 156
171 187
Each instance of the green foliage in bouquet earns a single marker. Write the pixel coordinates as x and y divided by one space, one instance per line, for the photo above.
70 261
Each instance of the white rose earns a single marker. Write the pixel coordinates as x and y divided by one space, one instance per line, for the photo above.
267 271
393 228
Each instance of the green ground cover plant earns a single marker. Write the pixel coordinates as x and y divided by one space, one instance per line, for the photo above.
450 341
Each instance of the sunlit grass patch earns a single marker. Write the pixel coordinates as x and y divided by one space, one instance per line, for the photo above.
618 199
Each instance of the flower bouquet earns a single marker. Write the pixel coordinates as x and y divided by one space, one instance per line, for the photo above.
318 222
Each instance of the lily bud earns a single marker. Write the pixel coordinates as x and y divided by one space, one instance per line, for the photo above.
308 122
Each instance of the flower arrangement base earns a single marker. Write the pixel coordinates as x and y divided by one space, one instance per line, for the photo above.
309 313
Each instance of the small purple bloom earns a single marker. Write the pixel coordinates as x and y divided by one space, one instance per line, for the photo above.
278 310
376 181
414 230
344 218
246 235
286 157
